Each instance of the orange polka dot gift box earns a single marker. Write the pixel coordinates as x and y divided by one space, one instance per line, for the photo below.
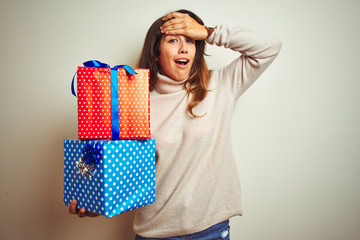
113 103
109 177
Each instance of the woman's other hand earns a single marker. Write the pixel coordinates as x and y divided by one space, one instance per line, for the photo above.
182 24
80 212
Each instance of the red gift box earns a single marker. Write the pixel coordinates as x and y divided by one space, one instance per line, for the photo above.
95 118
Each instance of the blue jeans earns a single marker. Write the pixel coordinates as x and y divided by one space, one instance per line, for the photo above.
219 231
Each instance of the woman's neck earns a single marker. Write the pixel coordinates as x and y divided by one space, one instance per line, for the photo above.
164 84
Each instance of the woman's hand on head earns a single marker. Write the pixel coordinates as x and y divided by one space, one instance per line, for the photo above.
182 24
80 212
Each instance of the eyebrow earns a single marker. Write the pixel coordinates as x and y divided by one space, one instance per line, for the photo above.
177 36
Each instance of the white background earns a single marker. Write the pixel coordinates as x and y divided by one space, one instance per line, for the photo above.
296 131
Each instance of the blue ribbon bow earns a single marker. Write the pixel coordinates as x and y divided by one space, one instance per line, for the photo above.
114 91
95 63
90 154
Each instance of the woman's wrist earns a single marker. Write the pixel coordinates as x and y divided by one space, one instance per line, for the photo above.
209 30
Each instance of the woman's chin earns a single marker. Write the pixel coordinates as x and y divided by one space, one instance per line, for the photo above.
180 77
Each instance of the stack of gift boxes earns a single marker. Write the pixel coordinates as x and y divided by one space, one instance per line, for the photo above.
110 169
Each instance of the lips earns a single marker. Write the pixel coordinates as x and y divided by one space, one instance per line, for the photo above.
182 62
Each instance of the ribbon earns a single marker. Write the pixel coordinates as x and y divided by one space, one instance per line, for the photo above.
95 63
114 104
90 153
86 163
114 91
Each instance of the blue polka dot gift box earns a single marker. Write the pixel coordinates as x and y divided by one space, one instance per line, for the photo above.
109 177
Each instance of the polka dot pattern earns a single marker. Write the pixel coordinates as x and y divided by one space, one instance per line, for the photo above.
94 104
124 178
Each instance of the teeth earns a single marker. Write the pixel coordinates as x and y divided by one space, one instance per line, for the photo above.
182 61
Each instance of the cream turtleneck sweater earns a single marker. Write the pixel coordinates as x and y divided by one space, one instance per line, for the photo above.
197 183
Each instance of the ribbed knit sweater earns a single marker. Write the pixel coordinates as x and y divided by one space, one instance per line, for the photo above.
197 183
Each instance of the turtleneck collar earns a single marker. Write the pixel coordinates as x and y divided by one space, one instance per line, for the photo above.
165 84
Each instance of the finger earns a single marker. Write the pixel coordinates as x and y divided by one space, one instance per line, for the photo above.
172 22
176 32
82 212
174 27
173 15
72 207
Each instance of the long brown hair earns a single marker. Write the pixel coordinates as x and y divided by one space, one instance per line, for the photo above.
196 84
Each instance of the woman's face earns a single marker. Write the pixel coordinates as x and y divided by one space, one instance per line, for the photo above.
176 58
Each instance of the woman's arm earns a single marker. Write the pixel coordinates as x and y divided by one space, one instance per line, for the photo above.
257 52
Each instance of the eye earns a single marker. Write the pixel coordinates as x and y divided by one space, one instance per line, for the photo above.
173 40
190 41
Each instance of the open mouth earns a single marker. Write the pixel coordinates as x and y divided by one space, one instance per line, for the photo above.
182 61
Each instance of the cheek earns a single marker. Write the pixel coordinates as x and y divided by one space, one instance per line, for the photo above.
164 62
164 65
193 52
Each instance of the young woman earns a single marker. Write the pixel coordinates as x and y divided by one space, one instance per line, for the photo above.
197 184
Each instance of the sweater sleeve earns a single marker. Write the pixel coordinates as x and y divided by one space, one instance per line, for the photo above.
257 51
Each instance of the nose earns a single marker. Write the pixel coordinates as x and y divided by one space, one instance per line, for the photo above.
183 48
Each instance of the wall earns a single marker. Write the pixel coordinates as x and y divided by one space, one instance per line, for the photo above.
296 131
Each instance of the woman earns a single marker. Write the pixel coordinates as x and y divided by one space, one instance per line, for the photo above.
197 184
